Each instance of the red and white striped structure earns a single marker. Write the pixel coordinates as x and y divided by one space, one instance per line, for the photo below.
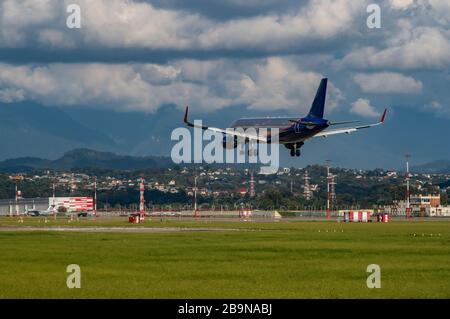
362 216
18 193
141 199
383 218
245 213
73 204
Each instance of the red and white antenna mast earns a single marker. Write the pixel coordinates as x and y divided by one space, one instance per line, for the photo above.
307 187
195 196
18 193
95 195
252 185
141 200
331 193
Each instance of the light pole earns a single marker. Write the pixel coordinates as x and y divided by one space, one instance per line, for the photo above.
195 196
53 200
95 195
328 189
18 194
17 199
408 204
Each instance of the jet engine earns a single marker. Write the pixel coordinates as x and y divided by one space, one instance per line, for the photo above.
230 142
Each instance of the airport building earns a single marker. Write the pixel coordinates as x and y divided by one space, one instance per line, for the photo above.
62 204
421 205
9 206
439 211
424 202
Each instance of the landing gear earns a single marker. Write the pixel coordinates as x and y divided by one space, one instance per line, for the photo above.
295 149
295 152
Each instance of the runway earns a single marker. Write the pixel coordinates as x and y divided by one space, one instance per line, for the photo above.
117 229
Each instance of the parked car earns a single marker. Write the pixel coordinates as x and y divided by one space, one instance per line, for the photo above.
33 213
85 214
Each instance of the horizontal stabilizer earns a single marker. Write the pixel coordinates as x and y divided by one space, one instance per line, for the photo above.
349 130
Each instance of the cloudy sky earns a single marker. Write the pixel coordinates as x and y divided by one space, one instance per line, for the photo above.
258 56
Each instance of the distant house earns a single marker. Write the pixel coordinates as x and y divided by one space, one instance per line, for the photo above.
391 174
242 191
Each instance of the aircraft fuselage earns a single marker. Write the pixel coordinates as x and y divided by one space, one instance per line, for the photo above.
289 132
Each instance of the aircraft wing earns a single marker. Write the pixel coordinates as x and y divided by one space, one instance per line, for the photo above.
219 130
349 130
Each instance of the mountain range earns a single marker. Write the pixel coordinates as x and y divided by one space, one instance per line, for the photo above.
436 167
30 129
85 158
32 132
88 158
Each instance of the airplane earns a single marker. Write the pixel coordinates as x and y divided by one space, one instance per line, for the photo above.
48 212
293 132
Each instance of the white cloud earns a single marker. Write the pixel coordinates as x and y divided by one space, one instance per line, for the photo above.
434 105
11 95
400 4
103 85
279 84
265 84
387 82
273 83
321 19
418 39
439 108
435 10
122 23
55 39
113 23
441 10
362 107
119 23
18 17
408 48
249 3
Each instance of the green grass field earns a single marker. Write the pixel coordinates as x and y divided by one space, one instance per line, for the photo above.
256 260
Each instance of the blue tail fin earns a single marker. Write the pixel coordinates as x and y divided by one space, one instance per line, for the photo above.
319 101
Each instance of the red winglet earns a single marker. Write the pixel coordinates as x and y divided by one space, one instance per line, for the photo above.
383 116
